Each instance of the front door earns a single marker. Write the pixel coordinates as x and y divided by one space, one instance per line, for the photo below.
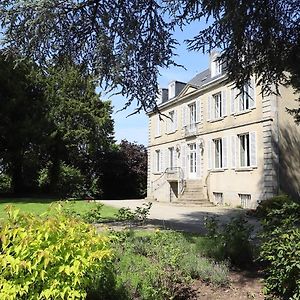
192 161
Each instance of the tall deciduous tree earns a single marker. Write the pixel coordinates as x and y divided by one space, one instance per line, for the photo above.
125 166
23 123
126 42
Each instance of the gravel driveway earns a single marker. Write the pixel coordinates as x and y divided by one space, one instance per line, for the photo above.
187 218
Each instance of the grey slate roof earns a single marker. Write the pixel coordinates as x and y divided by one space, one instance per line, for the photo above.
200 78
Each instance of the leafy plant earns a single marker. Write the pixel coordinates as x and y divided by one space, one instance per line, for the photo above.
53 258
140 214
268 205
5 183
94 215
280 251
230 241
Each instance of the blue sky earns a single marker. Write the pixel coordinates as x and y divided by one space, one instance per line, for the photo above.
135 128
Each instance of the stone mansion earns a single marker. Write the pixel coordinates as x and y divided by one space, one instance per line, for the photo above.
212 143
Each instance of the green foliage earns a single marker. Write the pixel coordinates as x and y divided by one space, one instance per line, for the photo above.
280 251
230 241
70 182
160 265
94 215
140 214
5 183
270 204
53 258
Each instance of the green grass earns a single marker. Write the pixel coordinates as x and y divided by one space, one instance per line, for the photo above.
39 206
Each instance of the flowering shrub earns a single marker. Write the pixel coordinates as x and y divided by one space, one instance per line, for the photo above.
53 258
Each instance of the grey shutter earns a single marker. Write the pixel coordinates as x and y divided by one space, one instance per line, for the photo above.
209 102
232 101
174 157
198 116
153 163
183 116
252 93
175 121
209 155
161 160
253 159
158 126
233 152
224 104
224 153
183 159
198 160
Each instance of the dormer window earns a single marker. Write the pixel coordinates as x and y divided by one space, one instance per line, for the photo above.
216 66
171 90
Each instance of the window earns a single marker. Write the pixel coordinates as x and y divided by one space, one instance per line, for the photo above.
171 158
245 200
244 150
193 158
192 114
216 67
218 197
244 101
218 153
157 161
217 106
171 122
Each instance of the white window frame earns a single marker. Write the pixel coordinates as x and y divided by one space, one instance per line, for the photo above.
218 153
158 127
244 99
171 158
171 121
192 113
193 158
216 66
244 150
217 106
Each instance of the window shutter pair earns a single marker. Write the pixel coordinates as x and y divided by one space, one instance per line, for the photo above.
235 146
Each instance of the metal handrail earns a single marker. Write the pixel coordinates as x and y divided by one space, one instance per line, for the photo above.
178 170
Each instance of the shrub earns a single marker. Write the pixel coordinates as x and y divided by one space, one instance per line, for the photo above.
280 251
266 206
160 265
69 183
53 258
139 215
228 242
5 183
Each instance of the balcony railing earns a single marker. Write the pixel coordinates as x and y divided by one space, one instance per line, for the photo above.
190 130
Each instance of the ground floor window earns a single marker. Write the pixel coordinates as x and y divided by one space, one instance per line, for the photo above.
171 158
218 198
245 200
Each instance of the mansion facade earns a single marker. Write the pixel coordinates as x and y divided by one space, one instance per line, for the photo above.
214 144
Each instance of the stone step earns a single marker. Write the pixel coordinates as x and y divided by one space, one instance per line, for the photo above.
193 195
191 202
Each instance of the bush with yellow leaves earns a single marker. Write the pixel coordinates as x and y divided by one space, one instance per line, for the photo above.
52 258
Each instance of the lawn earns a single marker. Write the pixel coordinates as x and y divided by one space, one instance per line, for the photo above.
40 205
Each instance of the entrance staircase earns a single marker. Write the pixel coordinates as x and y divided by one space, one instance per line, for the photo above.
193 194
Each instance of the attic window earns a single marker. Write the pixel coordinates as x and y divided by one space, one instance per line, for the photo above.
216 66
